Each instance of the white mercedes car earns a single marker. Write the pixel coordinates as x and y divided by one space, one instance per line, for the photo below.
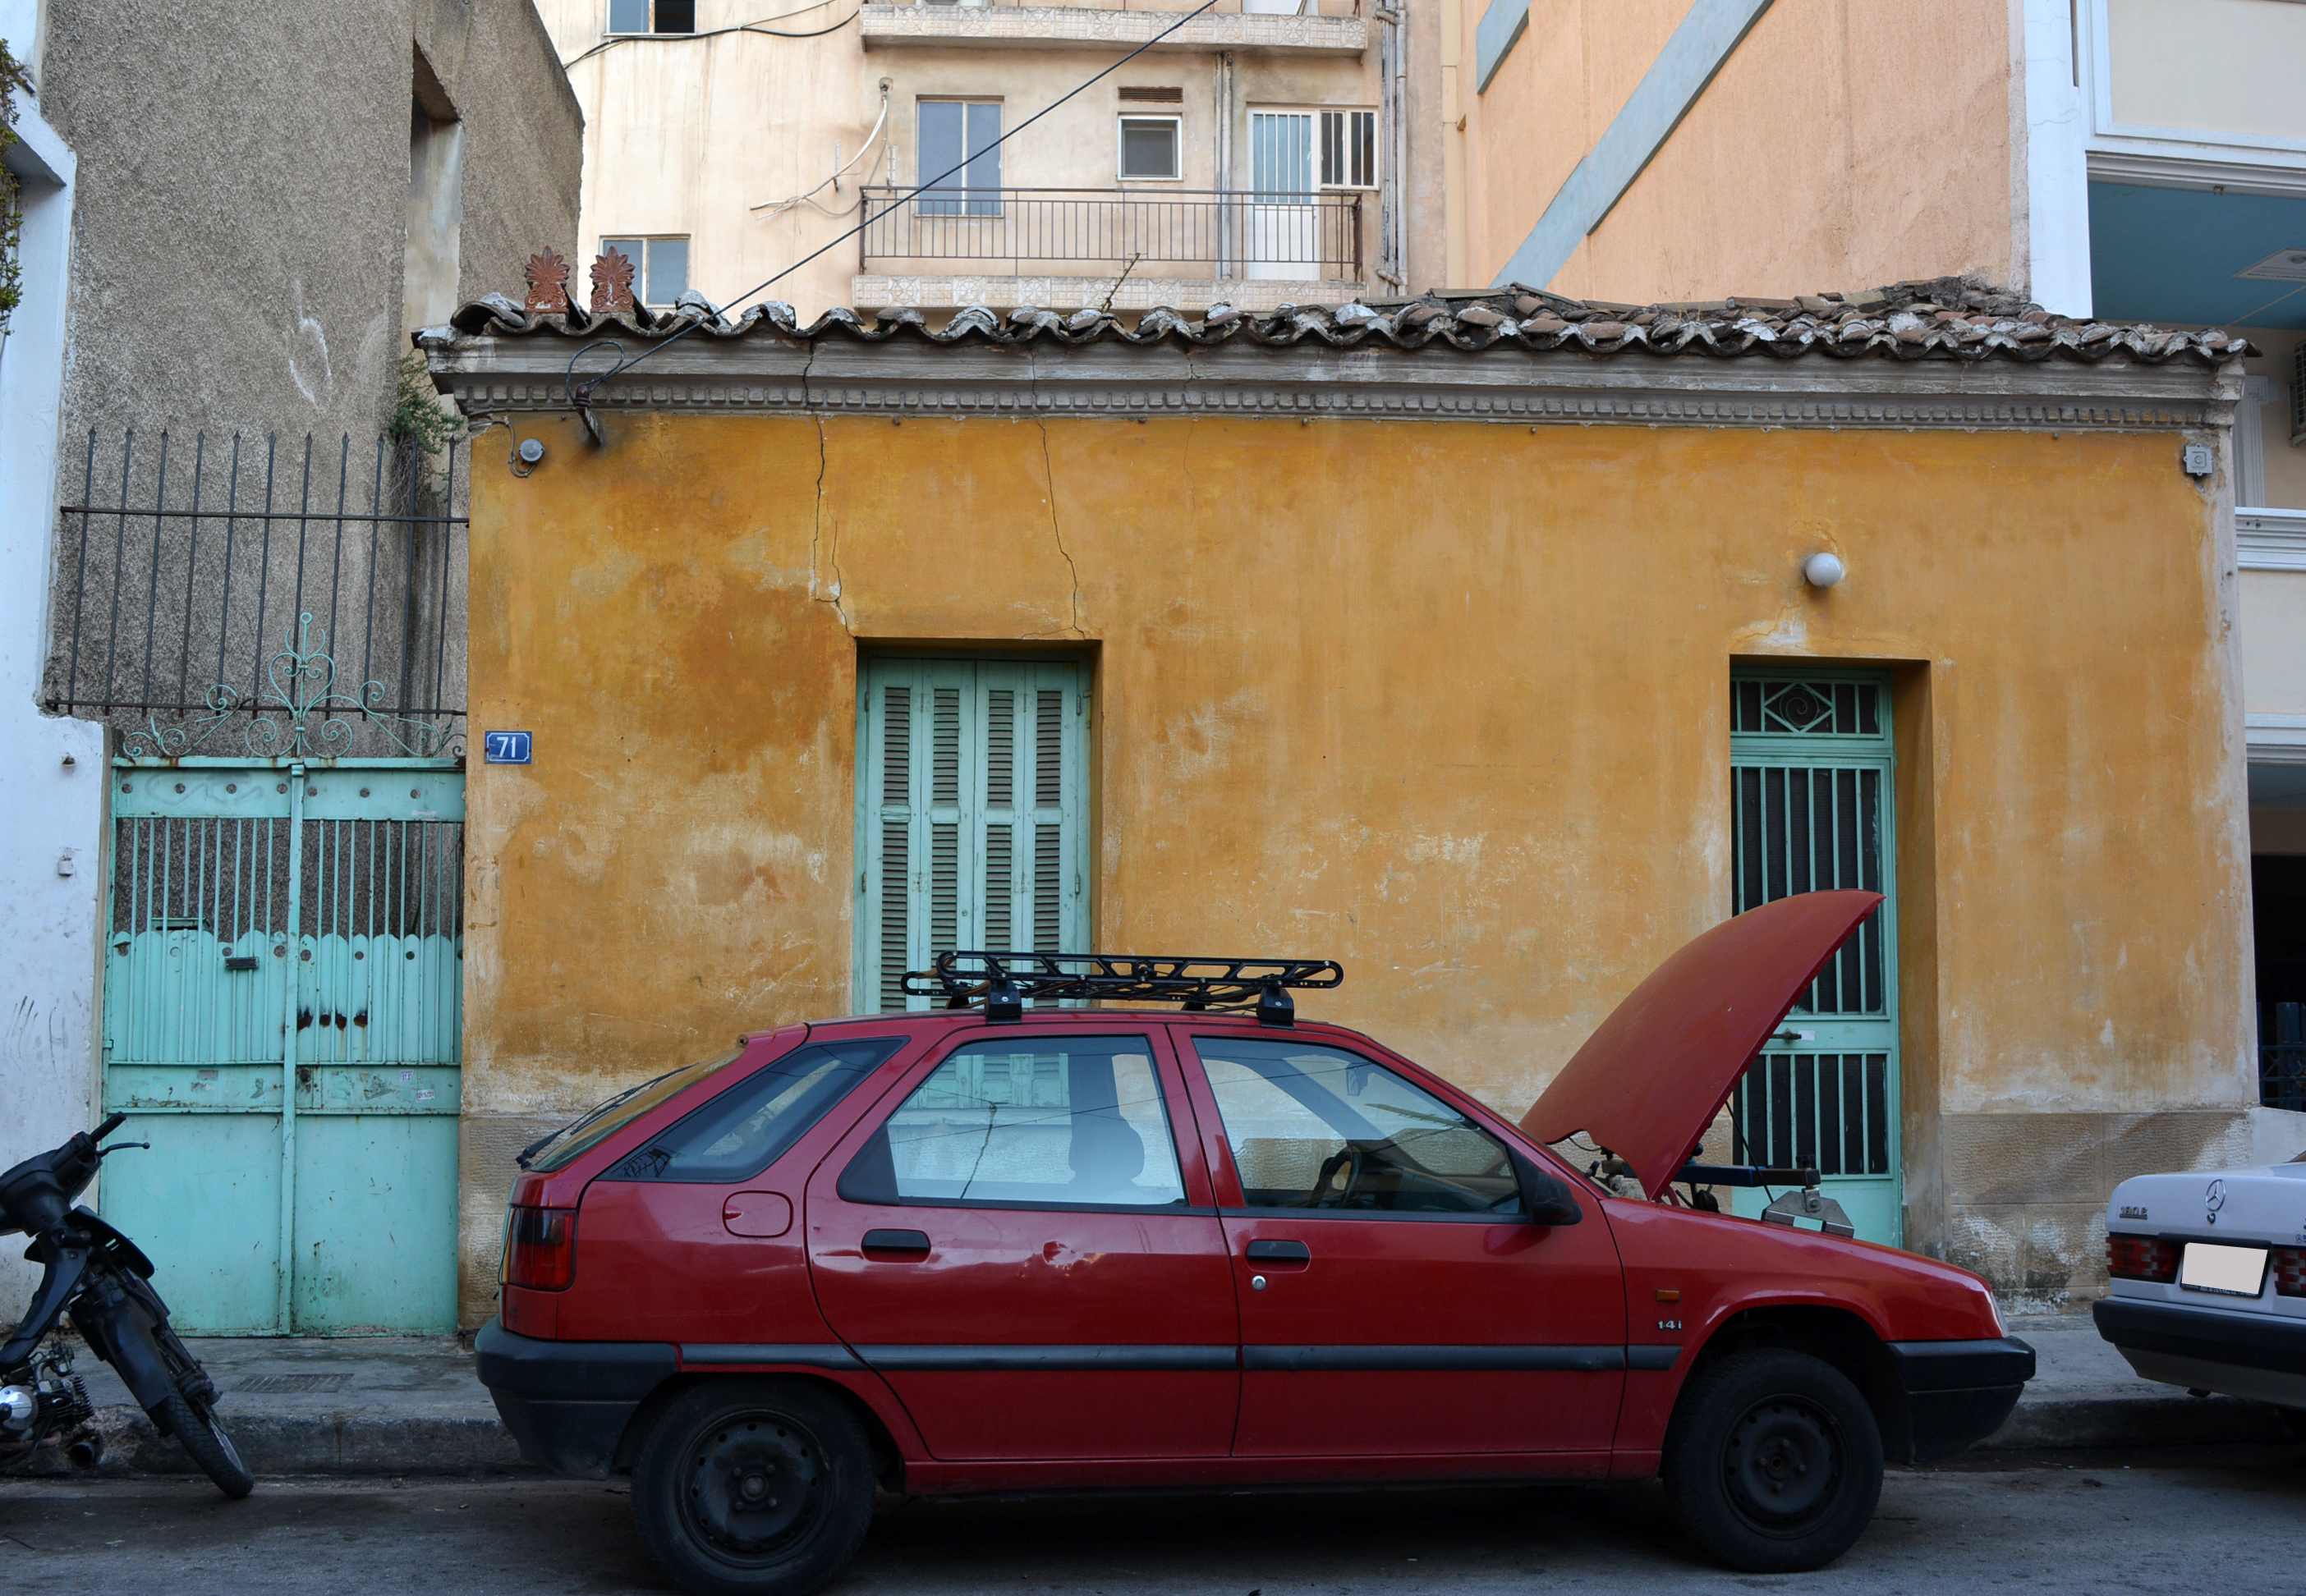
2209 1282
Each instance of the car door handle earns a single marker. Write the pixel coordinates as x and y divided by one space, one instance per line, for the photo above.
903 1244
1279 1252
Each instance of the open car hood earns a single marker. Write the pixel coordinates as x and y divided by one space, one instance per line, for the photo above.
1654 1074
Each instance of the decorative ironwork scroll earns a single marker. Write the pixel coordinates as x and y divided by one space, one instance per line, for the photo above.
301 715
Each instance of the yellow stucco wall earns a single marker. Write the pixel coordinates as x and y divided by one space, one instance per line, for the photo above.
1817 159
1444 702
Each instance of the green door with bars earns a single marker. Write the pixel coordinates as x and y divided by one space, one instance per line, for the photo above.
1810 762
972 792
282 1020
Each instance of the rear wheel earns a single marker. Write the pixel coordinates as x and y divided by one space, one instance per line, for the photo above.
1773 1463
754 1488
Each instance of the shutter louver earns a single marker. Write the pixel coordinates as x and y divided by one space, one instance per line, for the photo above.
895 878
1000 749
1049 750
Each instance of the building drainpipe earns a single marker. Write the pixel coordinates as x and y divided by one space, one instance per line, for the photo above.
1393 72
1221 158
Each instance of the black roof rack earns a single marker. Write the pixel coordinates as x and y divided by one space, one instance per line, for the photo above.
1003 981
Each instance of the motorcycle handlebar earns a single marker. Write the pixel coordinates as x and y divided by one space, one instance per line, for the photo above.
111 1122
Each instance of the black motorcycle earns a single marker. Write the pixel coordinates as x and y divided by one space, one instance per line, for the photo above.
100 1277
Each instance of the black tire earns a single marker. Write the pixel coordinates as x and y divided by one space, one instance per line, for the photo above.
754 1488
204 1441
1772 1461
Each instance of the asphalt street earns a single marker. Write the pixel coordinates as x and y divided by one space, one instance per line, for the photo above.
2231 1520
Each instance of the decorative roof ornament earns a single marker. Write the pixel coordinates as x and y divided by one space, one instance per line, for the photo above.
548 284
612 283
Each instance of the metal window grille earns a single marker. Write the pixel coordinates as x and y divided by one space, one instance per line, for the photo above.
2282 1055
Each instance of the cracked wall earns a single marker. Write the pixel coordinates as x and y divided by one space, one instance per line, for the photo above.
1446 702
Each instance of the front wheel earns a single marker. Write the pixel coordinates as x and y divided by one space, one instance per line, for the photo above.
754 1488
1773 1463
195 1425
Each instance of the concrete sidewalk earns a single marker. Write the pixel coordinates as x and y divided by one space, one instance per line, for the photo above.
409 1405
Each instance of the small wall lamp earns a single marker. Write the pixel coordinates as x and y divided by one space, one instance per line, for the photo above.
1823 569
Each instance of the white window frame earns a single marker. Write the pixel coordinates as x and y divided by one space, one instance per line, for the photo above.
1376 145
650 32
1176 121
640 267
2124 152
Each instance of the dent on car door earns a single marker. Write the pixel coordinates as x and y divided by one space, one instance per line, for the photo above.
1017 1247
1395 1296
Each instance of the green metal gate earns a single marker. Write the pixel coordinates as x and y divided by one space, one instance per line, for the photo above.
282 1009
1810 760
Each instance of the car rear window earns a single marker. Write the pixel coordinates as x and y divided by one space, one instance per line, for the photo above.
750 1125
555 1151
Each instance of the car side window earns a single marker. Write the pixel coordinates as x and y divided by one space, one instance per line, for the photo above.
749 1127
1313 1127
1069 1121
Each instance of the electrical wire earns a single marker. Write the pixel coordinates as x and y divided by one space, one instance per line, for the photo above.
778 207
626 38
581 397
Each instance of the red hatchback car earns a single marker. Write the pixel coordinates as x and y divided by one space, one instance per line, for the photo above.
1005 1248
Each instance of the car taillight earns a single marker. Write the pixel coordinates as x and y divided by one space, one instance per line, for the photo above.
541 1249
2140 1258
2290 1271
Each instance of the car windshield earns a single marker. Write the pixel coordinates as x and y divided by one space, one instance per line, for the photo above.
606 1120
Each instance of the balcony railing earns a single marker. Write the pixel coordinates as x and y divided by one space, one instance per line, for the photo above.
1104 232
1266 8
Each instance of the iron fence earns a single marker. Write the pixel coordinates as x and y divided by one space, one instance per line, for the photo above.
2282 1055
1208 233
213 597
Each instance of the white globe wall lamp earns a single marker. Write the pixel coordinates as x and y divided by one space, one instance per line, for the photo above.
1823 569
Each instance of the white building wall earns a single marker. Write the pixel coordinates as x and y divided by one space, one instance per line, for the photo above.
51 769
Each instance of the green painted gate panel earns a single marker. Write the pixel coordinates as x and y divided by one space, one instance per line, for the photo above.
252 903
1811 763
376 1249
204 1203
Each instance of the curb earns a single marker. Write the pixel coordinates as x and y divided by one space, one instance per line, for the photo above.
385 1444
349 1443
2153 1419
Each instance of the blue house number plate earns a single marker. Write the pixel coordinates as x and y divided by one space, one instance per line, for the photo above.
505 748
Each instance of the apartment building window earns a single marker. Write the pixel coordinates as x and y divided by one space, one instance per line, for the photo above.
1349 150
660 266
960 133
1150 147
652 16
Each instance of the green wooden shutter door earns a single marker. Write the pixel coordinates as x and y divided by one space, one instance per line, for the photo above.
971 831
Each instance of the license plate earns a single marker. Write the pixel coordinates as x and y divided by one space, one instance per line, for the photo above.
2230 1271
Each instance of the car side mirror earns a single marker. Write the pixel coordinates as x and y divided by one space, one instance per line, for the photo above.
1545 1195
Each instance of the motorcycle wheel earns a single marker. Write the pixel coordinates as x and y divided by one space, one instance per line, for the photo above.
195 1425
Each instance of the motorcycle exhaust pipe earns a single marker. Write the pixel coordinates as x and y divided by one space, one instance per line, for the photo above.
86 1453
